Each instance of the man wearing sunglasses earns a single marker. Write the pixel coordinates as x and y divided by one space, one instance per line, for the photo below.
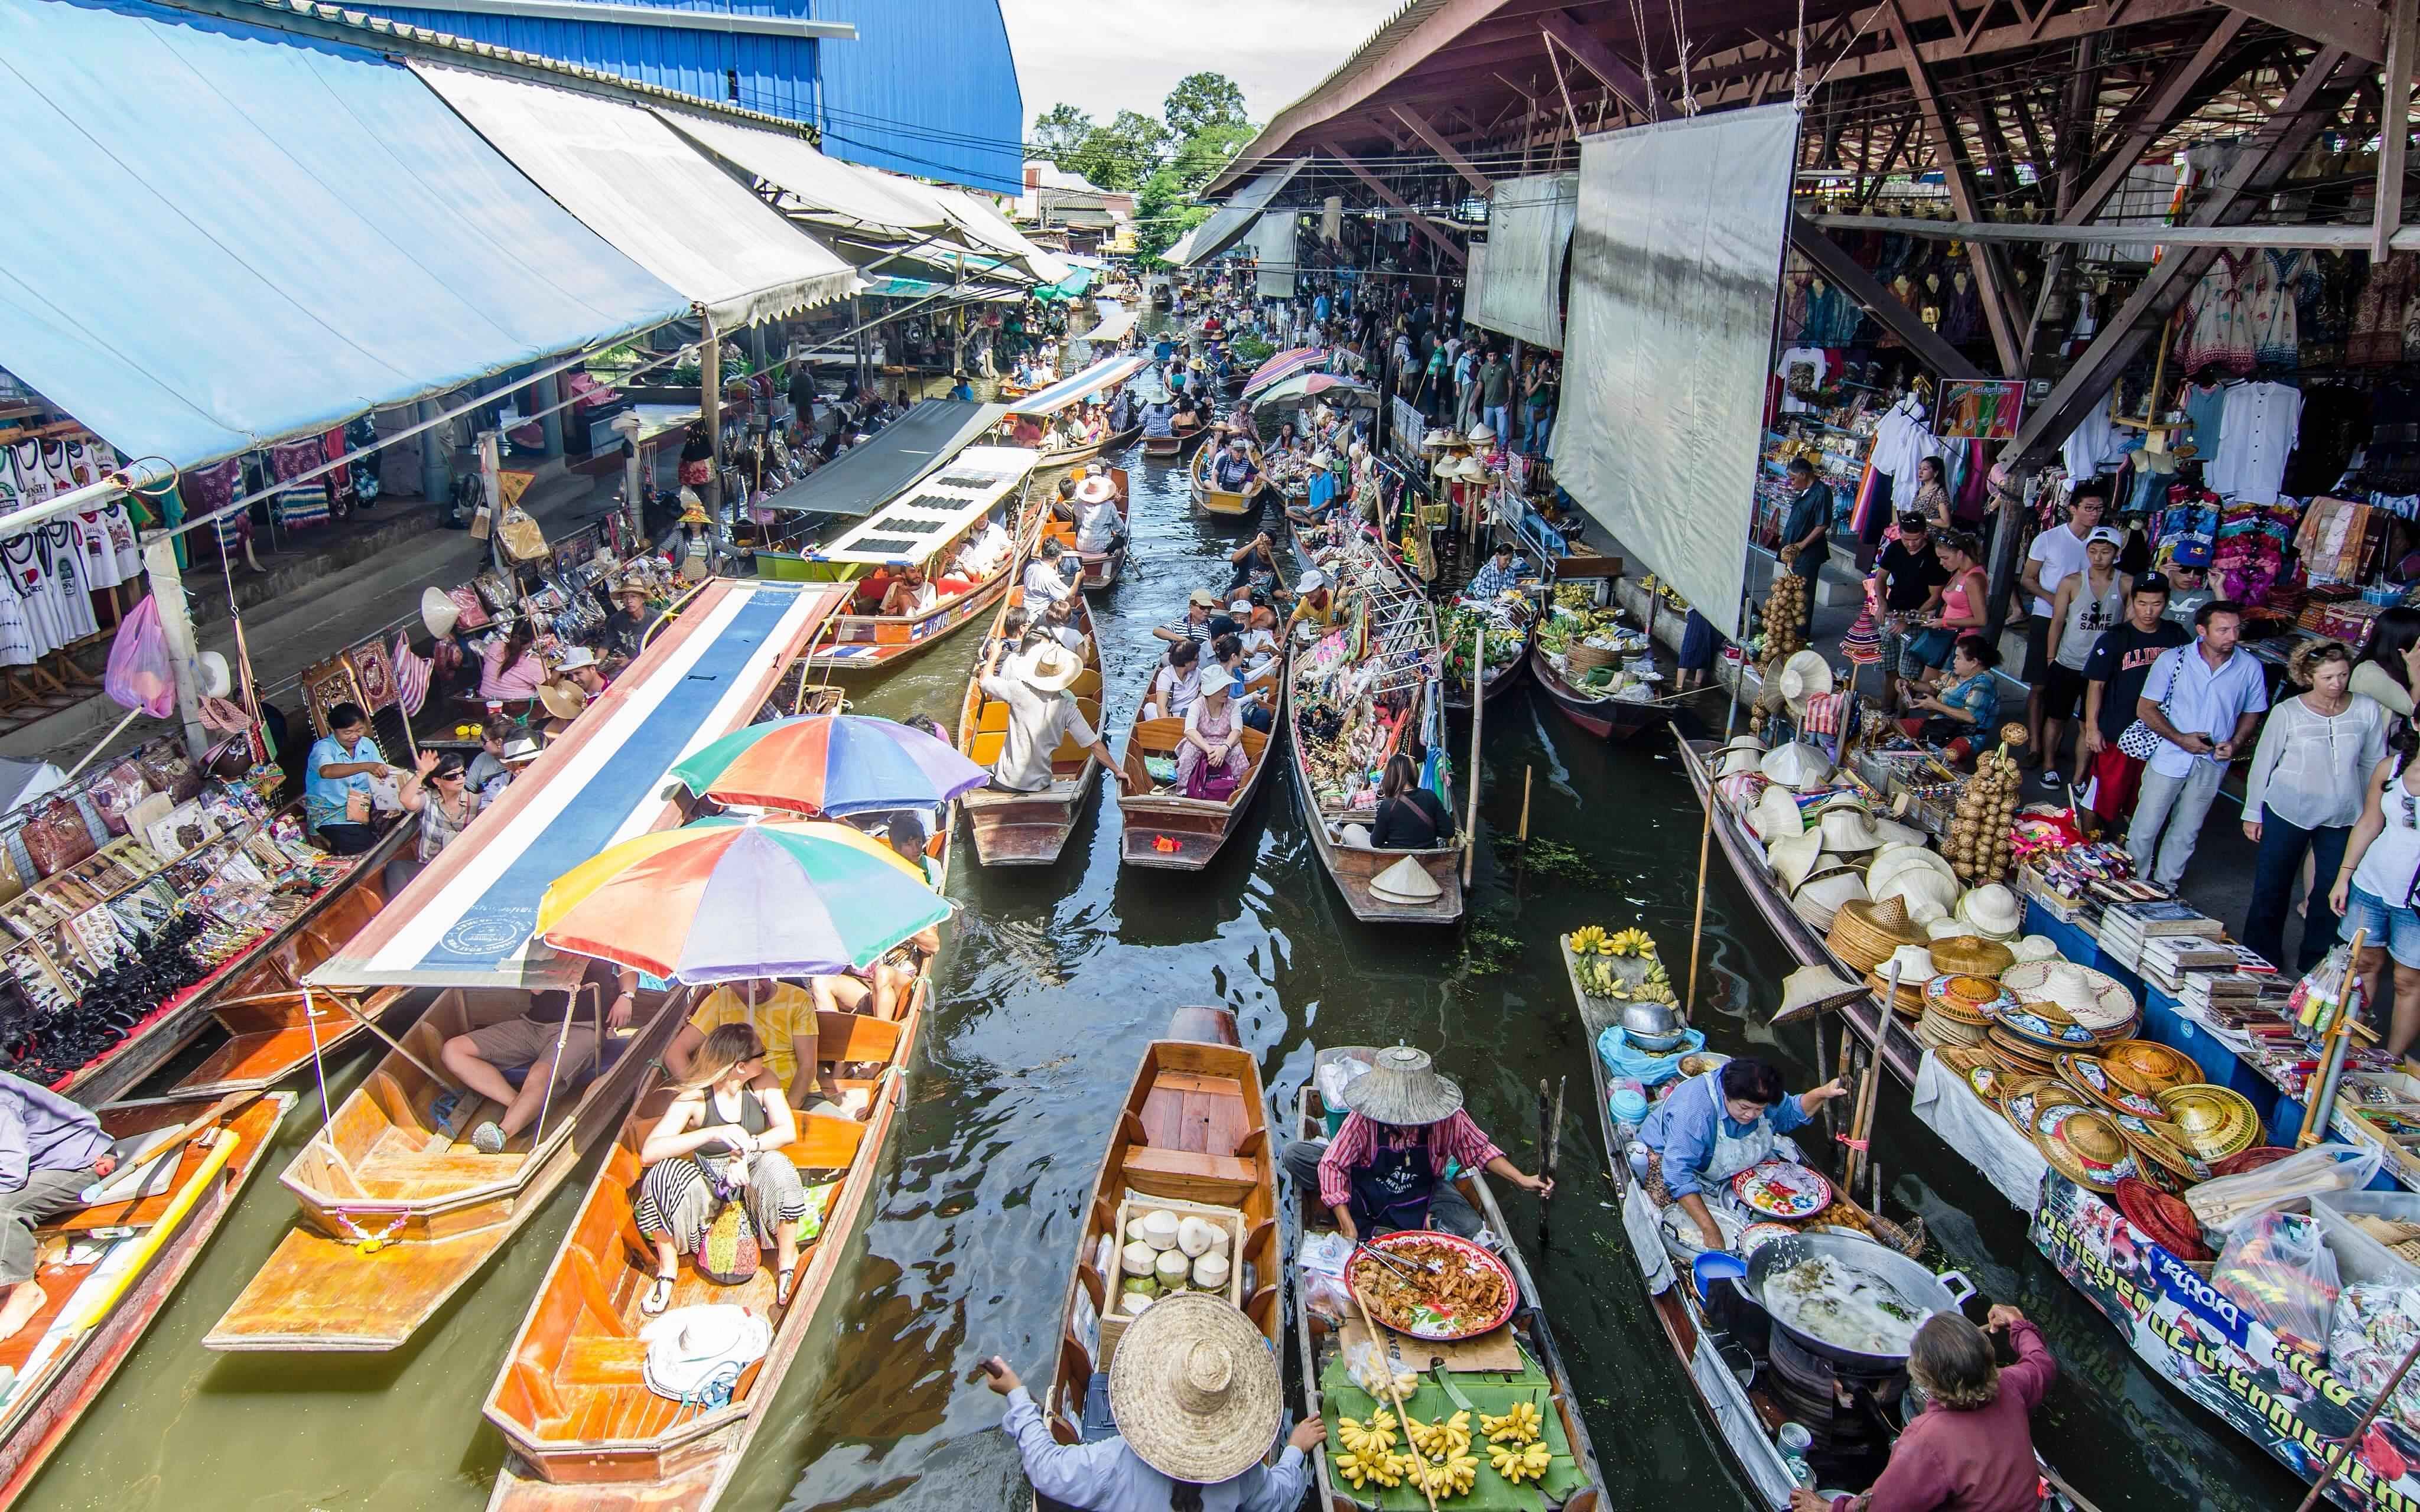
2203 700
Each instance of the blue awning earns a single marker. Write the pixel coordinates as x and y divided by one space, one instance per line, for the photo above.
227 235
1083 385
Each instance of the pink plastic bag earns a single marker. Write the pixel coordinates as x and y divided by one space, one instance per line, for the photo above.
140 676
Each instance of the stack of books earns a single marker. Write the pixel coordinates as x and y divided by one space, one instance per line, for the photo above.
2127 926
2169 960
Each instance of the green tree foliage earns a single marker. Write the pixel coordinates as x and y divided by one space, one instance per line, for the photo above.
1161 216
1059 132
1201 155
1121 155
1203 101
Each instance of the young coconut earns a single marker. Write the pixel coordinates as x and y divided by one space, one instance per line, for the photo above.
1210 1273
1172 1270
1137 1259
1160 1229
1193 1236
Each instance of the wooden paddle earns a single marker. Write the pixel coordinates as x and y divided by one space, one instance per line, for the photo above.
1382 1366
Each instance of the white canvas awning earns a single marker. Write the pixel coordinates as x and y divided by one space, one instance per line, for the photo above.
1236 218
824 188
648 190
1528 228
992 229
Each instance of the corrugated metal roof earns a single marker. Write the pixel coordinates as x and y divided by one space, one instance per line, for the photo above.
890 99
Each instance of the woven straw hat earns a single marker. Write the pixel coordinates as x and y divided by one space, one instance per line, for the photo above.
1195 1390
1095 491
2095 999
1406 882
2210 1121
1796 765
1865 934
1402 1089
1893 859
1802 677
1847 830
1969 954
1927 893
1053 669
2085 1145
1743 743
1818 899
1994 910
561 700
1793 856
439 613
1775 816
1810 989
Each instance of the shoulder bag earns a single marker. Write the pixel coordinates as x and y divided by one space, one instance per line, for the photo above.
2140 740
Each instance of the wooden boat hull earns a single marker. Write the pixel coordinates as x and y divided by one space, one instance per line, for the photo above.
1028 828
1193 1128
1900 1049
1352 868
1499 681
43 1410
275 966
1311 1329
1175 446
651 1454
1171 833
1222 502
363 1272
877 643
1615 720
1117 440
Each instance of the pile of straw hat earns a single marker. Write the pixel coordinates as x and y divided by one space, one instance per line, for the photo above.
1968 954
1865 934
1797 766
1776 815
2092 1000
2083 1144
2210 1121
1914 963
1739 755
1846 826
1992 911
1793 858
1958 1010
1927 893
1832 883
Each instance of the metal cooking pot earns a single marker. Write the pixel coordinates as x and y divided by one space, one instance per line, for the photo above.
1915 1285
1650 1019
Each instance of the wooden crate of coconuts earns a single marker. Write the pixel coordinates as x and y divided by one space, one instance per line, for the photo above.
1172 1246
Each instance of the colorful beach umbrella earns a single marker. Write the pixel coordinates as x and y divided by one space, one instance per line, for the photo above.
1293 359
723 899
830 764
1302 385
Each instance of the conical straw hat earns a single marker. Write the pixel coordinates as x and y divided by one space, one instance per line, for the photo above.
1403 1089
1810 989
1793 857
1406 882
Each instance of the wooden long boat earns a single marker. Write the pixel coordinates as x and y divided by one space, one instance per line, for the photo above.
586 1433
1028 828
1166 831
398 1210
184 1160
1116 440
1175 443
1874 1023
1494 682
1212 500
1100 567
1604 717
1319 1339
1193 1128
256 1001
922 526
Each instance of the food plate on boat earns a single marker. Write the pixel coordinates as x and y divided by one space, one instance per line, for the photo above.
1463 1291
1757 1235
1782 1189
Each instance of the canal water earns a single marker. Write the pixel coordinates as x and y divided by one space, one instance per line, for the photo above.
1055 981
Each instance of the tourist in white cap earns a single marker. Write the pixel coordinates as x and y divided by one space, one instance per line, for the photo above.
1314 604
1195 1392
1385 1167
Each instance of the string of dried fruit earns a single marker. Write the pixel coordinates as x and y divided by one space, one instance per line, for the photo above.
1978 841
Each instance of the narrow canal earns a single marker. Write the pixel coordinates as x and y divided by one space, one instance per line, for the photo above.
1054 982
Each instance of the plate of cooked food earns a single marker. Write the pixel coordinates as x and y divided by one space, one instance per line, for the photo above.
1432 1285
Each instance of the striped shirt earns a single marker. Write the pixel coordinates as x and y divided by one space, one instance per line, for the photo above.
1455 1138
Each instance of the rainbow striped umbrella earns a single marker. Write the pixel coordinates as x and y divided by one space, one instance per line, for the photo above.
1293 359
830 764
721 900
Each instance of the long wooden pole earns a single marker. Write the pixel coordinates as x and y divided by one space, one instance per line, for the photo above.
2322 1090
1478 715
1698 920
1385 1371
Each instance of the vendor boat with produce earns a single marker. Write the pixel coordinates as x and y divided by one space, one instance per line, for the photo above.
1777 1290
1493 612
1598 671
1362 696
1427 1356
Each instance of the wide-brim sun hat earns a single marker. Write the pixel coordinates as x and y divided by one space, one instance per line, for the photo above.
2094 999
1994 910
1810 989
1796 765
1194 1389
1793 858
1963 950
1052 668
1743 743
1820 898
1926 894
1847 830
1775 816
437 613
1095 491
1895 833
1402 1089
1891 860
2033 948
1802 677
1742 762
561 700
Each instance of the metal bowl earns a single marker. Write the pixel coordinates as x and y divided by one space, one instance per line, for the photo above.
1656 1044
1649 1018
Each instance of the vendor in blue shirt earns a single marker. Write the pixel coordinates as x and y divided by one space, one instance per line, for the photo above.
1712 1127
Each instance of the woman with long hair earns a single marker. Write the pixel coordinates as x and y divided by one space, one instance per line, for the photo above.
1972 1447
1409 817
2302 794
511 670
1931 494
2374 887
2390 669
721 1141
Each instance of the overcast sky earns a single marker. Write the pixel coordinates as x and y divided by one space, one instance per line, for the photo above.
1107 56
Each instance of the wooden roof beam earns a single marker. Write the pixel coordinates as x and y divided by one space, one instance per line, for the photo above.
1418 125
1628 84
2152 114
2357 27
1833 261
1952 163
1388 197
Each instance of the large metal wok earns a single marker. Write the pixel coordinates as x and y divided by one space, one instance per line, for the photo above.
1922 1290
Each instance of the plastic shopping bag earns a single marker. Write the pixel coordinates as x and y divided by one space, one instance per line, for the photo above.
140 675
2316 1000
2278 1268
2230 1201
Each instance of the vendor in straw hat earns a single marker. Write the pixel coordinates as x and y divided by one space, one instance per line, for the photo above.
1972 1448
1385 1169
1034 684
1713 1126
1194 1390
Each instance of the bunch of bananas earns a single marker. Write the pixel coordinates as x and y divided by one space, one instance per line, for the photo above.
1518 1425
1656 975
1589 939
1516 1465
1598 978
1375 1437
1442 1437
1374 1467
1632 942
1452 1475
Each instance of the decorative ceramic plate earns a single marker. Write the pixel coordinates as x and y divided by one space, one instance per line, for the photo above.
1782 1189
2088 1075
1755 1236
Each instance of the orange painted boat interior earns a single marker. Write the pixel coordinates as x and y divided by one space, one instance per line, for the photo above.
984 722
1194 1128
574 1376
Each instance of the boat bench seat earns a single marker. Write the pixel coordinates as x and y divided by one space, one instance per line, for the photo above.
1184 1164
597 1359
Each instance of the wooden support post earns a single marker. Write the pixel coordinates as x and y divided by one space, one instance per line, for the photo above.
1478 717
709 399
1950 157
2394 128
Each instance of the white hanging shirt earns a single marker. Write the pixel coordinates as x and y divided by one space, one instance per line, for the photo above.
1902 440
2092 444
1801 371
2255 435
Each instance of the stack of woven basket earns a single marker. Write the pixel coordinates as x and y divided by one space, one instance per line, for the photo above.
1864 934
1958 1010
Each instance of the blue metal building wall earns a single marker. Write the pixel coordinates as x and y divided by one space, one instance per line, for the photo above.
928 87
